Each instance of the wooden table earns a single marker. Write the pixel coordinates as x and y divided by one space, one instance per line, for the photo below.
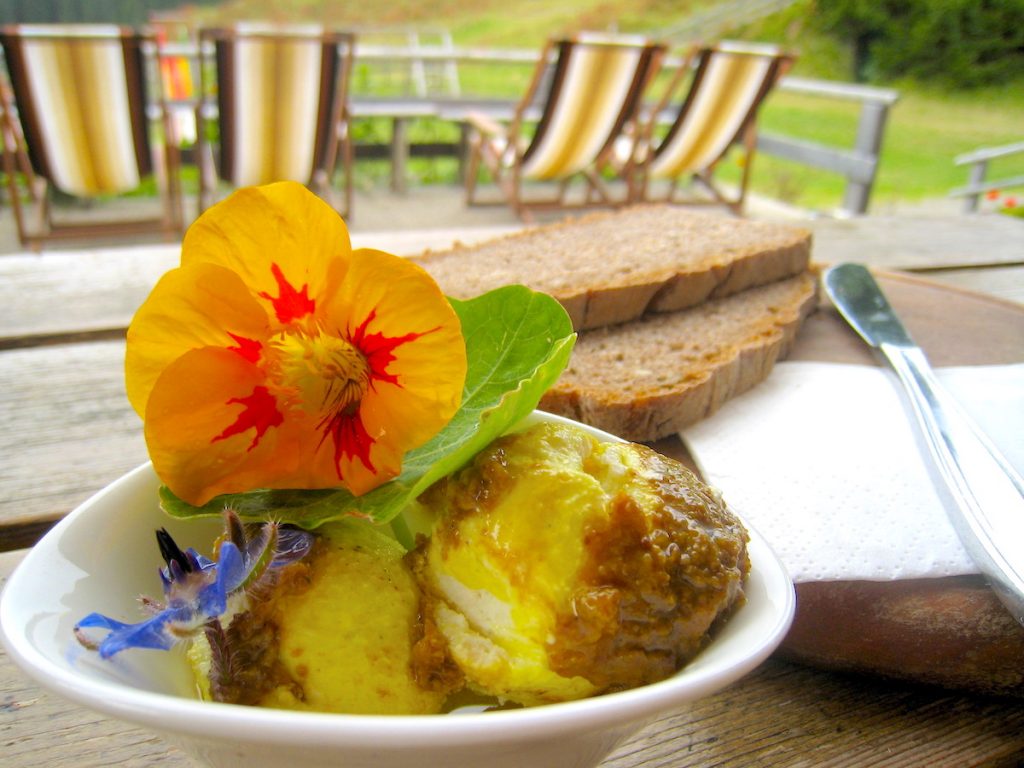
66 420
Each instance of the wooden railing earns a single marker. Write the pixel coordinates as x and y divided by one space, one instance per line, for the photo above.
978 183
857 164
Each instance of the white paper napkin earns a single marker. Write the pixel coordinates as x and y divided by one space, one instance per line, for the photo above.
824 460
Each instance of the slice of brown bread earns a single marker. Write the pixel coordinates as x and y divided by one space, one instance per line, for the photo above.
608 268
648 379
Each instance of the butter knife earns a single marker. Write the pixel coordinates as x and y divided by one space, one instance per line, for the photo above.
982 493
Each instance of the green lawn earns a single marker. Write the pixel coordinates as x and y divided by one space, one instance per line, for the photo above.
928 130
925 132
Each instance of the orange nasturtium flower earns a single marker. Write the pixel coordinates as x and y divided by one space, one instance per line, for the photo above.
275 356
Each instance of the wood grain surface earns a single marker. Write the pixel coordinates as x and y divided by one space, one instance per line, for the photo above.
67 431
920 243
954 326
96 291
67 413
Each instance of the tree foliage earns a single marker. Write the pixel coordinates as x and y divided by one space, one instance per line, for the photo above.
963 43
131 12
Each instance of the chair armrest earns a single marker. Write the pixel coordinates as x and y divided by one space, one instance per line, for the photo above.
485 124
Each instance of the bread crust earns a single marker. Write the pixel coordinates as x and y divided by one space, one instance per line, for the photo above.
613 267
616 382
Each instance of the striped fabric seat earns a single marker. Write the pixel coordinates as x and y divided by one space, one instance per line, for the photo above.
729 84
82 105
81 99
281 96
591 93
595 90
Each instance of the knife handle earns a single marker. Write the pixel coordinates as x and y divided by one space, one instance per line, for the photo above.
985 498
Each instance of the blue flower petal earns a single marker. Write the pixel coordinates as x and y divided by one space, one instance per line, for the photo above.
151 633
200 562
293 544
231 570
99 620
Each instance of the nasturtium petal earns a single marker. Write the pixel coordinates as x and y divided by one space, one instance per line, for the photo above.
279 238
191 307
518 343
213 427
412 339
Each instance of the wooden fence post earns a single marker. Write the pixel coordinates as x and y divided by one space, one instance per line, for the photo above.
977 177
870 130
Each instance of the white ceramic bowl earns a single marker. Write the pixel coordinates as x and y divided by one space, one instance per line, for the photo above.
103 555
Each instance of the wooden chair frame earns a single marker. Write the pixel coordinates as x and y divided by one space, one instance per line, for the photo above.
333 130
646 149
489 141
22 143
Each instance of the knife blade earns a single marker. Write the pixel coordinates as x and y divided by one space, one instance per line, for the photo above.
982 493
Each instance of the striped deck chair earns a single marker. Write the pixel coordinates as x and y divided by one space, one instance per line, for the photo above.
282 109
80 106
590 94
728 83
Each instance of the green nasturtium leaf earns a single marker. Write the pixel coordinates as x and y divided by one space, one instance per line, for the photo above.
518 342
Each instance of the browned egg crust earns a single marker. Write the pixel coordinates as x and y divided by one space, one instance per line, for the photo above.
655 581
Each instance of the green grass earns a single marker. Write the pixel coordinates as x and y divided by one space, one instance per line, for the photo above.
492 23
928 130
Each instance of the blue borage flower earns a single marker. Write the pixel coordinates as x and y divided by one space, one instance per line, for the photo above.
198 590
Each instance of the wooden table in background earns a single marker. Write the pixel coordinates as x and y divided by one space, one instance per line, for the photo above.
68 431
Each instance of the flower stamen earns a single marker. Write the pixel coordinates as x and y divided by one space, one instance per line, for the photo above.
330 374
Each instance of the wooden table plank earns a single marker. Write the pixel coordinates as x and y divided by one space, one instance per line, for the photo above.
100 289
982 253
780 715
65 411
920 243
784 715
1004 282
77 290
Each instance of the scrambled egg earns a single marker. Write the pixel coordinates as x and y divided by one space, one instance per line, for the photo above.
561 567
344 633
